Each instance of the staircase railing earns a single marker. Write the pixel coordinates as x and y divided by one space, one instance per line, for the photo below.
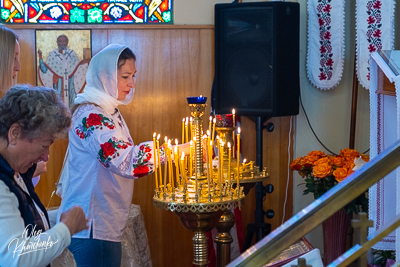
324 207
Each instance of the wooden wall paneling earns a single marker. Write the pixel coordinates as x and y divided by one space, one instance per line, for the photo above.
99 40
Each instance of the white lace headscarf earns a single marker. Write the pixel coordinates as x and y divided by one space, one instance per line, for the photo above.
101 80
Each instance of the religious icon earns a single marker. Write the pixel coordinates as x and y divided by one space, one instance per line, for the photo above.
62 59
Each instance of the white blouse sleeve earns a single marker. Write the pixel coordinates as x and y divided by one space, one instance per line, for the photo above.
19 249
100 137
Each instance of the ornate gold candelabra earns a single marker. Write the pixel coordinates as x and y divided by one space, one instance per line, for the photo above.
199 198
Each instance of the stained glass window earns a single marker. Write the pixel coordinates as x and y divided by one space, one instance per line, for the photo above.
86 11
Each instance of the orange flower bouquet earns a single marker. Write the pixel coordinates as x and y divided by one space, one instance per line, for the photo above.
321 172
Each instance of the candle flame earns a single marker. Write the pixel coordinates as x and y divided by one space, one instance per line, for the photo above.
201 95
176 141
204 136
175 150
191 119
210 118
183 156
154 135
166 139
244 161
229 145
183 120
233 111
238 130
214 120
208 132
158 137
191 142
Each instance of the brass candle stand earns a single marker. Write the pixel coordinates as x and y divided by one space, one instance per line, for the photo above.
204 198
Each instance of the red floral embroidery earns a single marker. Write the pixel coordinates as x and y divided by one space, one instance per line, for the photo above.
374 32
92 122
324 21
141 162
141 170
109 150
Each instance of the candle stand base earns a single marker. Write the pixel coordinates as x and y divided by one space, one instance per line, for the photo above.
200 218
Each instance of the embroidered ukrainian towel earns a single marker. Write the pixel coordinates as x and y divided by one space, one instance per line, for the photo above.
384 131
325 42
375 31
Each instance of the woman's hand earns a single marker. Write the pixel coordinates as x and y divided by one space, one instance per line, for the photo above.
75 220
40 168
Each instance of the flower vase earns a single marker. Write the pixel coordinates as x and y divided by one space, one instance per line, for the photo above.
335 230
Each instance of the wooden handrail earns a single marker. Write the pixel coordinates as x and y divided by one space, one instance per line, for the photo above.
321 209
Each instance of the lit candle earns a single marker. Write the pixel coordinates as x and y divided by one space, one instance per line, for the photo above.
155 159
158 158
222 161
213 129
166 162
171 170
195 168
186 129
229 162
210 154
238 156
208 167
209 126
191 128
176 157
233 119
219 166
183 130
190 158
183 168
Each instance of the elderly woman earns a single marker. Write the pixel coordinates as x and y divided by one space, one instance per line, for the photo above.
30 120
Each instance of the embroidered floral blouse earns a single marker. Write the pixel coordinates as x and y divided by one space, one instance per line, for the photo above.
101 166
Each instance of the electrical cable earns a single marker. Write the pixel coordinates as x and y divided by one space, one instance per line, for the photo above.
309 124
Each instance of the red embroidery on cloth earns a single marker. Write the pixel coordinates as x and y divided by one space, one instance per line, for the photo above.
324 21
374 31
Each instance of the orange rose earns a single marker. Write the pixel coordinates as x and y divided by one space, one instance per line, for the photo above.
337 161
310 159
322 170
323 160
296 164
340 174
316 153
349 154
365 157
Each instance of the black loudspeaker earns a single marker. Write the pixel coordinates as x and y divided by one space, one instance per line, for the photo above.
257 59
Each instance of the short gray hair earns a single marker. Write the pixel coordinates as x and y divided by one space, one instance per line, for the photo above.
38 111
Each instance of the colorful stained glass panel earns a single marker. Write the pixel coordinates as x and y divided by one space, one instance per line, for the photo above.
86 12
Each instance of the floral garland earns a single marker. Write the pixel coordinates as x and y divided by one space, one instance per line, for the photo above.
92 122
324 21
325 42
375 32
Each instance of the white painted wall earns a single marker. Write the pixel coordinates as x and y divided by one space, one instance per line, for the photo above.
328 111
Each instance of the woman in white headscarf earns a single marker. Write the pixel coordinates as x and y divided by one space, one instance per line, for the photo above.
103 160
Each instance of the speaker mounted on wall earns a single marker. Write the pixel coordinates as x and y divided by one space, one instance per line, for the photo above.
257 59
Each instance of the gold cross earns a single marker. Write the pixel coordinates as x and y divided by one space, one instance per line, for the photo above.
363 224
302 263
